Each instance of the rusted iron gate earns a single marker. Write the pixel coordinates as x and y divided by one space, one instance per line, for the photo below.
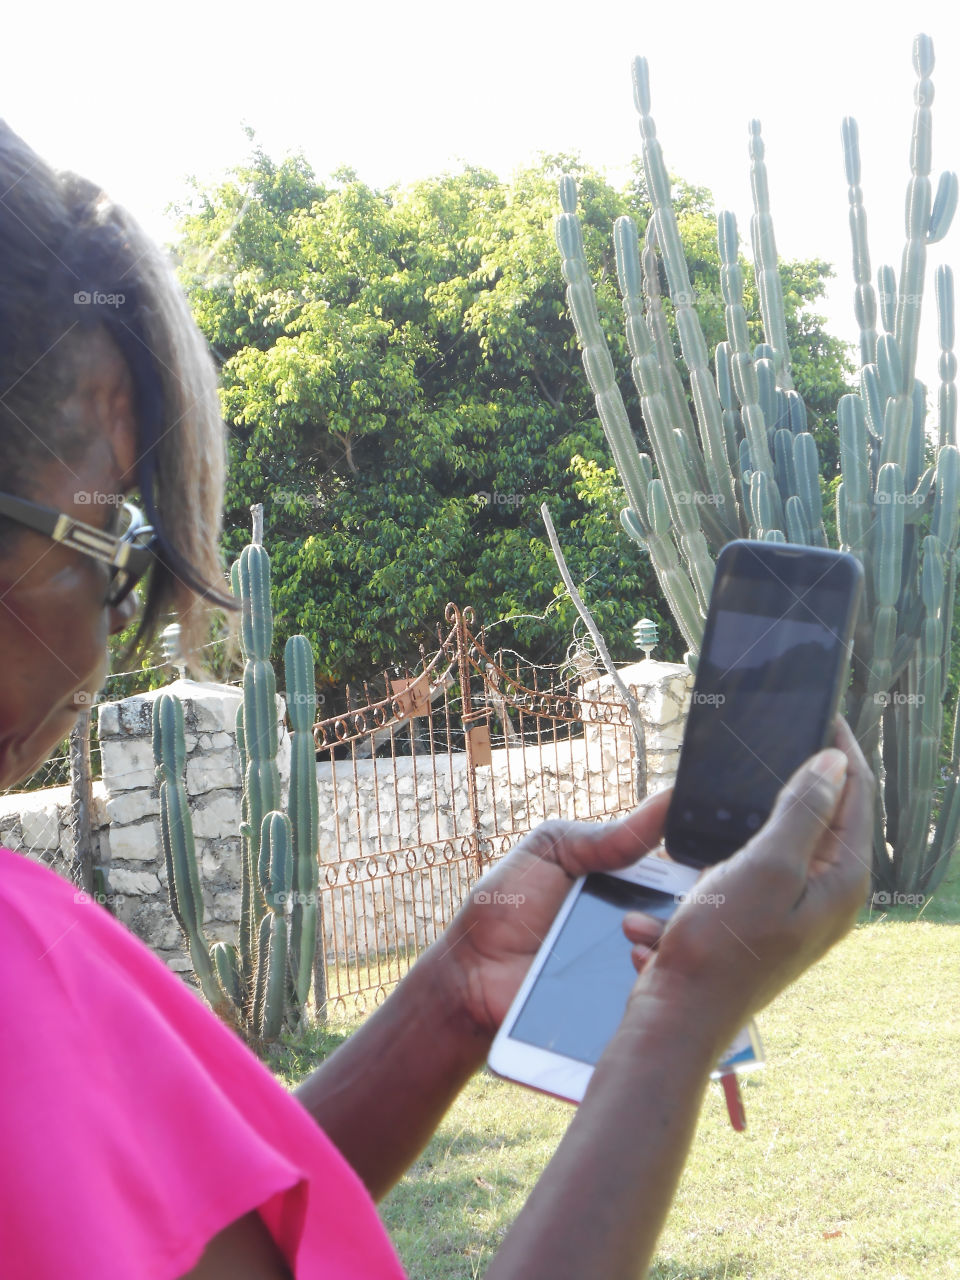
421 791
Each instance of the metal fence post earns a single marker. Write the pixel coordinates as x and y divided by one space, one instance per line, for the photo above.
469 717
81 799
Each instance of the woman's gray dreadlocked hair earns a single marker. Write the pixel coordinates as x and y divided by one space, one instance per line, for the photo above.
72 261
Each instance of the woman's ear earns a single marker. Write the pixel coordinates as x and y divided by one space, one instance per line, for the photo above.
103 402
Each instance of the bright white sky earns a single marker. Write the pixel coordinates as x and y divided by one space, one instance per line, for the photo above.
140 96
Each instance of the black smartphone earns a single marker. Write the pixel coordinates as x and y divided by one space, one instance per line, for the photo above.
773 666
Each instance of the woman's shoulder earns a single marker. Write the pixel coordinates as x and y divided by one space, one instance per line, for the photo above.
78 971
40 910
22 874
119 1087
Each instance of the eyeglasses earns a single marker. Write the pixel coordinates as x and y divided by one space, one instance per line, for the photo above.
128 553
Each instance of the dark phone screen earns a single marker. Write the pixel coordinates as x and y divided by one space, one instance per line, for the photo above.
578 999
765 693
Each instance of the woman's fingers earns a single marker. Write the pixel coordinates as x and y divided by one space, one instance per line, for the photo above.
642 929
839 873
639 956
608 846
644 932
853 824
774 867
582 847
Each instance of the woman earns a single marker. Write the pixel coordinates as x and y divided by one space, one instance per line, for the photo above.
141 1138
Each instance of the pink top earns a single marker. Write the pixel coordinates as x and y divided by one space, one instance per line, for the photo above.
134 1126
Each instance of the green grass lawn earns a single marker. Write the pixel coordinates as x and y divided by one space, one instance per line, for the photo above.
850 1164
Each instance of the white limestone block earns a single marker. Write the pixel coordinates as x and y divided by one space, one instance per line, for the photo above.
133 882
126 807
137 843
217 814
127 764
212 772
40 825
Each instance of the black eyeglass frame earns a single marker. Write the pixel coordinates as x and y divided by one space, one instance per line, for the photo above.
126 554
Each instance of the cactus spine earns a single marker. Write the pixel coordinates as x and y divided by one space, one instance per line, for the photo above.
752 464
261 984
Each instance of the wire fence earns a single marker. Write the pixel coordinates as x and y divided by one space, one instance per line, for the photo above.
55 770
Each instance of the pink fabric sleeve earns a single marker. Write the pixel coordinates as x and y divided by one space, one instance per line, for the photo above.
135 1125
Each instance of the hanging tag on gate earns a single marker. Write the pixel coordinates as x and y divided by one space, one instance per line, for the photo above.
480 744
413 696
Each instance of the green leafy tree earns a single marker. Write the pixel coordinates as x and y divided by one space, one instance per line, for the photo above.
403 391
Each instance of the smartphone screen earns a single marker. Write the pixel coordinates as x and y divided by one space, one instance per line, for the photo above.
578 999
770 675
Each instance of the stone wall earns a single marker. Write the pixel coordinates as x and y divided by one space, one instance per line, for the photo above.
369 810
37 823
662 690
133 853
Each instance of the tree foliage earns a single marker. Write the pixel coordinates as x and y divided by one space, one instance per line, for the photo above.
403 389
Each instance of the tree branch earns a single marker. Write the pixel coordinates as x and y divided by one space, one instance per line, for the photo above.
631 702
555 402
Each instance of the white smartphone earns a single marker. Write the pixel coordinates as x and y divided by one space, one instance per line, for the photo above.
574 996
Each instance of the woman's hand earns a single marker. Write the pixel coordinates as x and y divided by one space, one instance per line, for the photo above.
787 896
490 945
752 925
755 922
746 930
383 1093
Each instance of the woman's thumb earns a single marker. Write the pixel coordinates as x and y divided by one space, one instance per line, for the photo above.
806 805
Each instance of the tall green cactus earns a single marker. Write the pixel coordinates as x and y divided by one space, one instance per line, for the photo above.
746 457
261 984
176 832
303 808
